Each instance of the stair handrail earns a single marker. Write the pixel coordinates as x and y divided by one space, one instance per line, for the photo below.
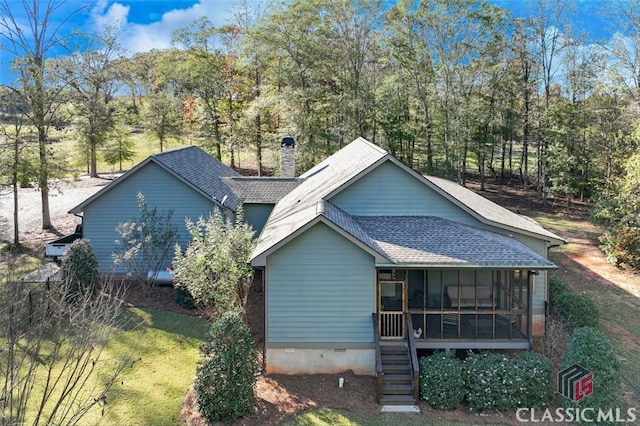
415 368
376 340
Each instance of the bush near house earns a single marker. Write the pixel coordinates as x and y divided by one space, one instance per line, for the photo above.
590 349
183 297
487 381
557 287
532 374
225 379
488 385
441 381
577 309
80 269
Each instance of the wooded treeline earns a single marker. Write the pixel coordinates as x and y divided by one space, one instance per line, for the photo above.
450 87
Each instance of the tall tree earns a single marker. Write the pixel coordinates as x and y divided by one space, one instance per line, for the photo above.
30 45
412 58
551 35
526 77
205 74
161 81
352 70
90 71
293 35
625 44
256 116
14 144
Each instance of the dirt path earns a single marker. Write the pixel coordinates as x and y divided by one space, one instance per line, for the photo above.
589 256
616 291
63 196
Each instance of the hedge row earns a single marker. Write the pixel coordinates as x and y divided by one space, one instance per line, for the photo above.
577 309
590 349
486 381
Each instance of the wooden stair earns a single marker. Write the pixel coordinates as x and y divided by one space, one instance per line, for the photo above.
397 378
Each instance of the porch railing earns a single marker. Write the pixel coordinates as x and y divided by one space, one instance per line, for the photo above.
415 368
392 324
376 340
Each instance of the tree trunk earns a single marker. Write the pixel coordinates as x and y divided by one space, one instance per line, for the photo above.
43 177
14 182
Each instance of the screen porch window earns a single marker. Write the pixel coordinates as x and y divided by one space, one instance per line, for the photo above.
461 304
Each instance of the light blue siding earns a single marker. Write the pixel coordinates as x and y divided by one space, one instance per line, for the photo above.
256 215
120 204
389 190
320 288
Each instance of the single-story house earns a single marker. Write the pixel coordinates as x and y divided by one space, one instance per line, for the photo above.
189 183
357 253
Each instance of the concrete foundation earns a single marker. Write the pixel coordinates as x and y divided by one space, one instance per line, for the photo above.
538 324
319 361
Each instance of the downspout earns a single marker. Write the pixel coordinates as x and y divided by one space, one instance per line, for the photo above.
530 275
263 271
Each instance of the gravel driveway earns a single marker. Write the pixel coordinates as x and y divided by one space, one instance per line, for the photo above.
63 196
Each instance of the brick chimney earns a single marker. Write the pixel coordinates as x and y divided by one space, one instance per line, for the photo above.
288 158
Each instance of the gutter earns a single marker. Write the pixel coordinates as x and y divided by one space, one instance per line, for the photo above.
462 266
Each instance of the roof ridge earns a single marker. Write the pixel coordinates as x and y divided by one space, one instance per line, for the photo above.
173 151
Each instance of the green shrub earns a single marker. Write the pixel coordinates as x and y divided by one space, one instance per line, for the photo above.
441 381
80 269
622 246
557 287
183 297
489 386
532 376
590 349
225 379
579 310
495 382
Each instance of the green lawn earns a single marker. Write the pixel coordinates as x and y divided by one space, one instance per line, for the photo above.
153 385
328 417
144 146
165 350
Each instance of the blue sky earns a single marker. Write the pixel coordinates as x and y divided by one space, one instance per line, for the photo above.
148 24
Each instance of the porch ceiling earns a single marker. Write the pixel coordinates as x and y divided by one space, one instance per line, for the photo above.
429 241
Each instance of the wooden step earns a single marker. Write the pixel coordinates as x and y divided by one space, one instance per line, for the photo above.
396 378
394 349
397 400
394 359
397 389
396 369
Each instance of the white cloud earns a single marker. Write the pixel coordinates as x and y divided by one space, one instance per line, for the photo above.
157 35
114 15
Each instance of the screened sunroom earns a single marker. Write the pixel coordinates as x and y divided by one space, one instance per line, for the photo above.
456 308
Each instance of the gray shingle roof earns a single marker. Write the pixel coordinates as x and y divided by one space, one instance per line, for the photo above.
308 201
488 211
193 166
202 171
349 224
260 190
428 240
299 207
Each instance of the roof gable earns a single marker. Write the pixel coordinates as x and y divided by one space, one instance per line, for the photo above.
190 165
299 207
335 174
